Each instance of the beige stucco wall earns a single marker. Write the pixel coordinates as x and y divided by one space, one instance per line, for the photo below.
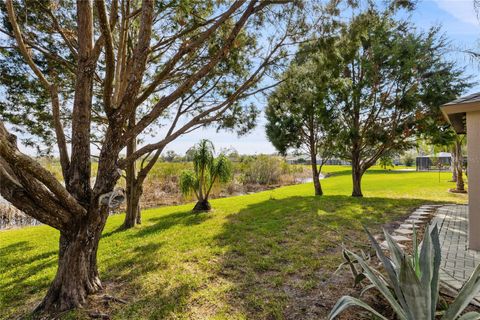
473 147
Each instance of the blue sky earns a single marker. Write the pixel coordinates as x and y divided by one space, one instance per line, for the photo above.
459 22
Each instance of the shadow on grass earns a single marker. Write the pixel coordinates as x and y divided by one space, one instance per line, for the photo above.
348 172
185 218
26 265
134 265
7 253
282 253
23 274
164 222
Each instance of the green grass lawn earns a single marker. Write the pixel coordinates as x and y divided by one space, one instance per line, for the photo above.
268 255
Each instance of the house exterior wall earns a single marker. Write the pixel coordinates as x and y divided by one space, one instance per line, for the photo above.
473 147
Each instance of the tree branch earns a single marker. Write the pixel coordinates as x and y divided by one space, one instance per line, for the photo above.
164 102
62 146
21 44
109 54
185 49
9 152
13 191
141 51
57 28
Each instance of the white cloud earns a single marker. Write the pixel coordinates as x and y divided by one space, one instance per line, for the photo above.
461 9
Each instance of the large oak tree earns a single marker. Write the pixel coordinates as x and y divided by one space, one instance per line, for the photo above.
124 65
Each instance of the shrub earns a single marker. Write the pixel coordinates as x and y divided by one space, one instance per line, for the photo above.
262 170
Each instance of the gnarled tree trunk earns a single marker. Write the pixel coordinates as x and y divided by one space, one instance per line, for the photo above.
77 209
77 274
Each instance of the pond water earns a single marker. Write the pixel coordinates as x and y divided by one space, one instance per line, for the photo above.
309 179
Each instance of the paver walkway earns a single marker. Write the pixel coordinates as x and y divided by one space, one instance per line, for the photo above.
458 262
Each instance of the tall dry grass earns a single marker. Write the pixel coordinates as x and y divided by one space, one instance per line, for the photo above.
251 174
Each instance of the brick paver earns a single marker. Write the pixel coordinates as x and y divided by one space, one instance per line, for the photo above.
458 262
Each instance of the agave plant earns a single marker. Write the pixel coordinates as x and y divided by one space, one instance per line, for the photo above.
207 170
351 263
411 283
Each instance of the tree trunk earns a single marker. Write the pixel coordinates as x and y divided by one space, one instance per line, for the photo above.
357 174
202 205
133 189
77 274
315 176
460 183
454 164
139 212
133 214
454 173
459 166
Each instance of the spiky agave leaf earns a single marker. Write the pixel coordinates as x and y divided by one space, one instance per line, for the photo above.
348 261
346 302
418 289
367 288
391 273
468 292
381 287
396 253
416 296
416 257
429 264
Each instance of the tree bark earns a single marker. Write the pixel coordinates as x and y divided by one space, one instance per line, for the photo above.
133 214
135 191
315 175
77 274
134 186
454 164
357 174
459 166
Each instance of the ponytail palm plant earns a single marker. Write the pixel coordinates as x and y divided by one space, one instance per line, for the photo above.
207 170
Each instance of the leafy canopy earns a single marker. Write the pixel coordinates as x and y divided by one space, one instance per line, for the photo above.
300 112
393 77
